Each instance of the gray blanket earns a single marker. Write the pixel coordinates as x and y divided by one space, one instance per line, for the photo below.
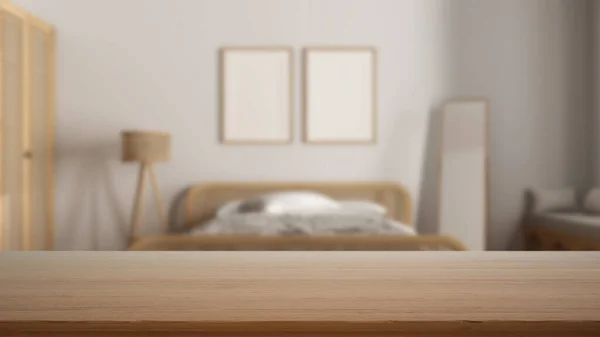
302 224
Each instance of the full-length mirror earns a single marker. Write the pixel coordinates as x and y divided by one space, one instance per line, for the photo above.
463 187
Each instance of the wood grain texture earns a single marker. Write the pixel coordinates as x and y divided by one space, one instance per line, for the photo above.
299 294
294 329
242 287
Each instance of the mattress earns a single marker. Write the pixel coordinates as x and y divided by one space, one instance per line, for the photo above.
579 224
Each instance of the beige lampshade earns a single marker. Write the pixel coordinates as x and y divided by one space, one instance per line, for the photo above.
145 146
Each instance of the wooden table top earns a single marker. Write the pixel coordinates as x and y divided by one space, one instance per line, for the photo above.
301 291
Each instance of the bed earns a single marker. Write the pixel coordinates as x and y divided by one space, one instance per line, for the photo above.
202 201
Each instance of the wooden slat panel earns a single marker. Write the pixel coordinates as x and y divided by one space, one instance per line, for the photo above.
12 145
41 137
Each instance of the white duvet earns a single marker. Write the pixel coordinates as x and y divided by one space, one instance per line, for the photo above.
328 223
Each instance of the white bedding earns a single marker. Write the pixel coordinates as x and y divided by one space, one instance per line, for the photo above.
338 223
301 213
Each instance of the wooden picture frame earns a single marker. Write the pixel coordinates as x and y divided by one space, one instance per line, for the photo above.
256 109
464 155
340 95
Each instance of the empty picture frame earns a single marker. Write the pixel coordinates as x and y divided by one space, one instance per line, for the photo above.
256 95
340 95
463 188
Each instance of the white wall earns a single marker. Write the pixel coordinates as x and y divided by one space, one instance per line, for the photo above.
153 64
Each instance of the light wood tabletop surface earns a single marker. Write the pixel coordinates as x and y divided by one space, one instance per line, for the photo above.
279 288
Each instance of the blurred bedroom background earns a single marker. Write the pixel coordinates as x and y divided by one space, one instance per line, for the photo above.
300 124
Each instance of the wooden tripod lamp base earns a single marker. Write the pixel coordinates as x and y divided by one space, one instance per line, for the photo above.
146 148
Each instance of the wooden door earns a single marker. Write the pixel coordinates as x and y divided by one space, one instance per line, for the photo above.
41 136
13 104
26 131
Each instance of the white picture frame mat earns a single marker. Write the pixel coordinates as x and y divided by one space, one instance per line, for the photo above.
340 97
257 95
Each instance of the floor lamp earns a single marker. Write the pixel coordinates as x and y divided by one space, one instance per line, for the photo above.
145 148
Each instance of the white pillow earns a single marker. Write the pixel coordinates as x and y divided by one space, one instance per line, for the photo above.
554 200
363 207
405 230
592 201
228 208
289 202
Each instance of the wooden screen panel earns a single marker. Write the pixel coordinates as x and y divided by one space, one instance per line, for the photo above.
11 131
41 137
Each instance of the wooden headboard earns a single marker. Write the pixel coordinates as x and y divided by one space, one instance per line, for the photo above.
202 201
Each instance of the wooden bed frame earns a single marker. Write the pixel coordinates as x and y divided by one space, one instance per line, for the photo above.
202 201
